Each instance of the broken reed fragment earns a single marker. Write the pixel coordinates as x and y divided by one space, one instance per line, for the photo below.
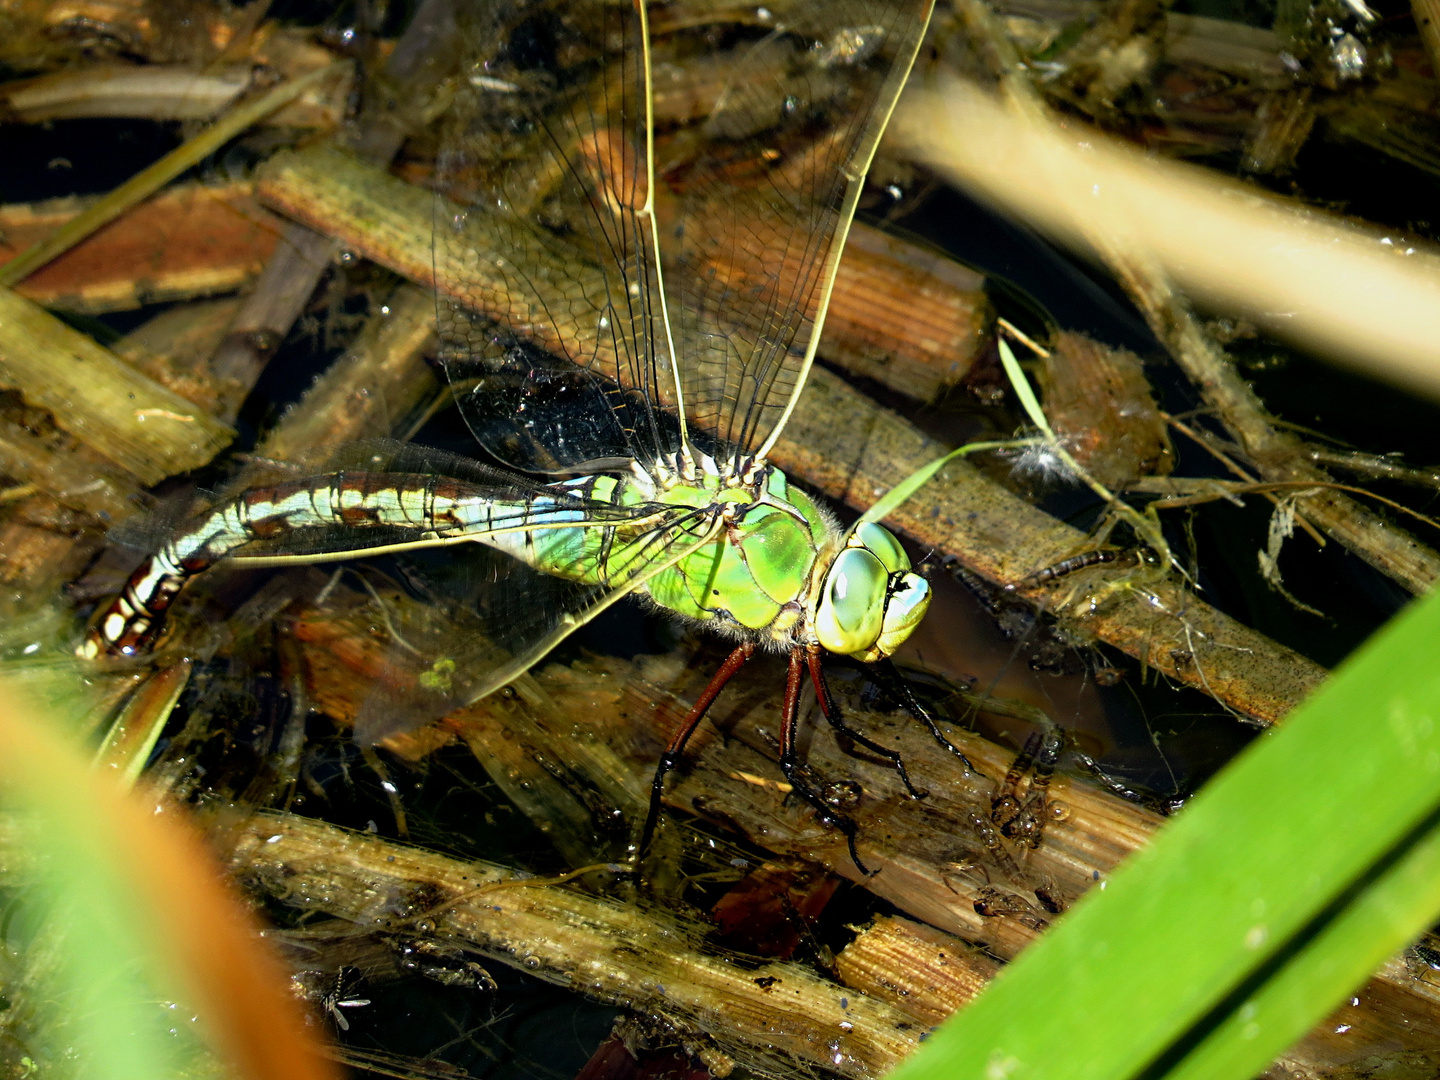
371 388
173 346
151 179
645 960
916 968
102 401
152 92
912 320
179 91
48 535
188 241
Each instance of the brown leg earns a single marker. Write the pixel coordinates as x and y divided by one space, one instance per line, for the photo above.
832 714
790 765
668 760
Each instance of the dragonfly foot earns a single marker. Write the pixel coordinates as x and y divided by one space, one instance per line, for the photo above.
855 857
668 761
848 829
828 815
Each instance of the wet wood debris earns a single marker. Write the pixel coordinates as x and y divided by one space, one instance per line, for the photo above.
188 242
971 898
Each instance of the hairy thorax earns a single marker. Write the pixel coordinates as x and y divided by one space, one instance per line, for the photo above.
760 577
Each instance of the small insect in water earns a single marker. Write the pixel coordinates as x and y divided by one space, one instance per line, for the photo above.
631 300
1023 821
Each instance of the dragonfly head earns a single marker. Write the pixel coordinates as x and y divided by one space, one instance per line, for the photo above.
871 600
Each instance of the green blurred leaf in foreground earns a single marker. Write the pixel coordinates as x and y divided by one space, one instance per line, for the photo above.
89 987
1295 873
143 964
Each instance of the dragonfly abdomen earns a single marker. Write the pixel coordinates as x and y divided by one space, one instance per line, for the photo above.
434 508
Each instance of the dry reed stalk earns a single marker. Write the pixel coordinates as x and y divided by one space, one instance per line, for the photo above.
193 240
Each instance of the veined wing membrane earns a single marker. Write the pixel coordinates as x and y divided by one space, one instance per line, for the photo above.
762 211
557 324
554 322
512 616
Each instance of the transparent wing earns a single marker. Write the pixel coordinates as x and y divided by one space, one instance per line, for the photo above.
497 618
557 321
551 328
507 619
763 204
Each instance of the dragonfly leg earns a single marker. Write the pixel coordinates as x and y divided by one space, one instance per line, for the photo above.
790 765
832 714
671 757
893 684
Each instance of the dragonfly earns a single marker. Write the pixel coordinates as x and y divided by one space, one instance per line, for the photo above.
641 213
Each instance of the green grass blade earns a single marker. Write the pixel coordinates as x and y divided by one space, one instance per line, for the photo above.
89 985
893 498
1023 390
1289 878
1369 927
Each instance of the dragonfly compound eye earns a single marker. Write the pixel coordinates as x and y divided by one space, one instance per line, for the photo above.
851 614
881 543
906 605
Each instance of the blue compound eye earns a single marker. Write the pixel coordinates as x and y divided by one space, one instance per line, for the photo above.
851 613
881 543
